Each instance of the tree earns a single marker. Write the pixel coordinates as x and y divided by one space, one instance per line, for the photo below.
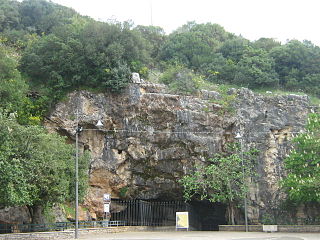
266 44
36 168
221 180
294 61
256 69
9 15
13 89
193 44
84 54
234 48
155 36
302 182
41 16
181 80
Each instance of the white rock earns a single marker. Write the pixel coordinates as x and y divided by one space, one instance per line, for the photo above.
135 78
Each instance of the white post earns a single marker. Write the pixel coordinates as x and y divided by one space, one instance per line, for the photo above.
77 180
238 136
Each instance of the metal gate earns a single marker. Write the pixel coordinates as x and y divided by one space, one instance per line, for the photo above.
146 213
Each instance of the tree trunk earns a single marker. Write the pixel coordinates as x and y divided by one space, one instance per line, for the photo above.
36 214
231 214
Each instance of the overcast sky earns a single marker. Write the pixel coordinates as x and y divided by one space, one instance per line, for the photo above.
279 19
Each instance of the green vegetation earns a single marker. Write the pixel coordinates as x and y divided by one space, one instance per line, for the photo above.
35 167
303 165
58 50
181 80
123 191
222 180
69 209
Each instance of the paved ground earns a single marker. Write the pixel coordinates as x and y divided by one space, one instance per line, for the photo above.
194 235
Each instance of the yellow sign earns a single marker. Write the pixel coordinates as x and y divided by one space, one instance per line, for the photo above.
182 220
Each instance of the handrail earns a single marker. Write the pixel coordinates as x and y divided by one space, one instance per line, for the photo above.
58 226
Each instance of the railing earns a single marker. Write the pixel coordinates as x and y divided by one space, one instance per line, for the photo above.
58 226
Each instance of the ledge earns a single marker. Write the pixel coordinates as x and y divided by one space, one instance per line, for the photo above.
281 228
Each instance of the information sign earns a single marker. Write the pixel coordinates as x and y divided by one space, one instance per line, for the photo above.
106 197
182 220
106 207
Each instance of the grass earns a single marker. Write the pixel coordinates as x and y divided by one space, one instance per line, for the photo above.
69 209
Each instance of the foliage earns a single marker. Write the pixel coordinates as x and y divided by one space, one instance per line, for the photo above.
36 167
193 44
123 191
12 88
181 80
221 180
298 65
154 36
266 44
41 16
302 165
256 69
13 91
233 49
9 14
226 102
90 54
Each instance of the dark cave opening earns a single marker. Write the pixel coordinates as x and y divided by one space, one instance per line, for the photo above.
206 216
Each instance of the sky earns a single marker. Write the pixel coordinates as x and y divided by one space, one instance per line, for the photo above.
279 19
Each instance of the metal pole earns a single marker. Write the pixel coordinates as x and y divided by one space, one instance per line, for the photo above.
245 196
77 180
151 13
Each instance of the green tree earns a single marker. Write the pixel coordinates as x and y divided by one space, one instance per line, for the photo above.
256 69
193 44
13 89
41 16
9 15
294 61
223 180
84 54
154 36
302 182
181 80
36 167
234 48
266 44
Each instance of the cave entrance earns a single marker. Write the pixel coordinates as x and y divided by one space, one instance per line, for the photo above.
206 216
203 215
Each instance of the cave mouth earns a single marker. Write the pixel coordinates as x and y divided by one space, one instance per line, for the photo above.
206 216
203 215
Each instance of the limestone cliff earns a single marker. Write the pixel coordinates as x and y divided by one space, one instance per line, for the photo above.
151 138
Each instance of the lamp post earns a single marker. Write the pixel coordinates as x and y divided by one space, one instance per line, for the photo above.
78 131
239 137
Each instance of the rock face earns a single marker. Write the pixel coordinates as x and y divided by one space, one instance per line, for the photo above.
150 139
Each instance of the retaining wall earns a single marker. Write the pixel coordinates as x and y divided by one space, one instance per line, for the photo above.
281 228
69 234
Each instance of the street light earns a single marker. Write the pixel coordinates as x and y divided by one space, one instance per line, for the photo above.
78 131
239 137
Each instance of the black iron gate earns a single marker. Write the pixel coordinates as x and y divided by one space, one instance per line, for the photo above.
203 215
146 213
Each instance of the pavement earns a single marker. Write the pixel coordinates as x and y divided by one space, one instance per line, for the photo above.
197 235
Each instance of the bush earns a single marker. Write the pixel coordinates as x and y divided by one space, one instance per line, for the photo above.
181 80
